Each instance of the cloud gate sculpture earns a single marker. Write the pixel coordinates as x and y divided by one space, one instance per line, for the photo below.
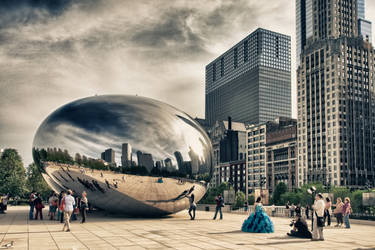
132 155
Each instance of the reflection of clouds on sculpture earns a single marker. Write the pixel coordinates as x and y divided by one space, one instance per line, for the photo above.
89 126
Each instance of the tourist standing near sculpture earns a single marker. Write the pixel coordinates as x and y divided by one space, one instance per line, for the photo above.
192 206
219 204
258 221
38 207
68 203
83 205
32 205
338 212
346 210
318 217
327 211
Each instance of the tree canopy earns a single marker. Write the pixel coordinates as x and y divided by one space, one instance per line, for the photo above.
35 181
12 173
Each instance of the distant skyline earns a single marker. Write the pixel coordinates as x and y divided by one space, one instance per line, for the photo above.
51 54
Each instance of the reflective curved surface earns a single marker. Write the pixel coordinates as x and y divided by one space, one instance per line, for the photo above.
131 154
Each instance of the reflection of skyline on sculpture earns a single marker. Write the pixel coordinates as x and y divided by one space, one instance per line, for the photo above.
150 127
156 134
143 155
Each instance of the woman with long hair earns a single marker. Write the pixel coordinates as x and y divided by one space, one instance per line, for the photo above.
258 221
84 206
346 211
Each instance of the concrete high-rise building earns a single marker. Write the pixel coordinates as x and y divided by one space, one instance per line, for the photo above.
108 155
364 26
281 154
304 25
258 135
234 147
145 160
251 82
335 87
126 157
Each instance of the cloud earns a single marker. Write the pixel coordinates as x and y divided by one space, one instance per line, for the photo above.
51 54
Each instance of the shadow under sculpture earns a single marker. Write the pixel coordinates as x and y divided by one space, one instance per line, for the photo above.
132 155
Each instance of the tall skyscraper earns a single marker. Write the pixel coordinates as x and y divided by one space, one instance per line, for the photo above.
335 87
126 157
108 155
250 82
145 160
304 25
364 26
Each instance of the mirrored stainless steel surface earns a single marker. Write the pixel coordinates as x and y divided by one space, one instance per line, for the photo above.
132 155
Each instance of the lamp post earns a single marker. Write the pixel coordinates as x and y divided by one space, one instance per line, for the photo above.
312 191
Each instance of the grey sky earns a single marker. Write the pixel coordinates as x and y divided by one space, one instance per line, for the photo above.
51 54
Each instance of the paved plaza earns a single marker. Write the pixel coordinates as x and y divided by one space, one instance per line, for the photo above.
174 232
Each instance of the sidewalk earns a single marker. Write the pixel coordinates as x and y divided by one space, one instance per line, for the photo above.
174 232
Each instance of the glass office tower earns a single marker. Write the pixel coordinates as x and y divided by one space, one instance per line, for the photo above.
251 82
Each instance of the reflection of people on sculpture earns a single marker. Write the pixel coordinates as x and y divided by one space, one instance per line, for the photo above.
300 228
108 185
258 221
179 197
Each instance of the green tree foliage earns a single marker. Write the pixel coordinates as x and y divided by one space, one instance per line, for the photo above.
251 199
239 199
280 189
12 173
209 197
35 181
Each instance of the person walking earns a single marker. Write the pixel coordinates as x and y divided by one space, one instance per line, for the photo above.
318 217
219 204
338 212
192 206
327 211
32 205
53 203
38 207
83 205
346 210
68 202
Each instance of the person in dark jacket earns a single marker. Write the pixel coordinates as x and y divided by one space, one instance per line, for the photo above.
38 207
300 229
219 204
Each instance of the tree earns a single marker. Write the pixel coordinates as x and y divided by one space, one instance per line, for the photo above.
280 189
12 173
35 181
239 199
251 199
209 197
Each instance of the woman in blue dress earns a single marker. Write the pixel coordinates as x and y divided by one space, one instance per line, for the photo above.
258 221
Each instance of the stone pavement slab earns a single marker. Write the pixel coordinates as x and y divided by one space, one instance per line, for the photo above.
174 232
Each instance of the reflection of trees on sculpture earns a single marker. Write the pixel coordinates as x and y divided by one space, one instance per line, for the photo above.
60 156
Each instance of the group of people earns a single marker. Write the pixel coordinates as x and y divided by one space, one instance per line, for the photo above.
3 203
65 204
259 222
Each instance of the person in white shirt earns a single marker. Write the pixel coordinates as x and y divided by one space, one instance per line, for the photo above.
69 202
318 207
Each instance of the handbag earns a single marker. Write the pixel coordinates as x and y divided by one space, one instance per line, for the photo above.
62 205
76 210
319 220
